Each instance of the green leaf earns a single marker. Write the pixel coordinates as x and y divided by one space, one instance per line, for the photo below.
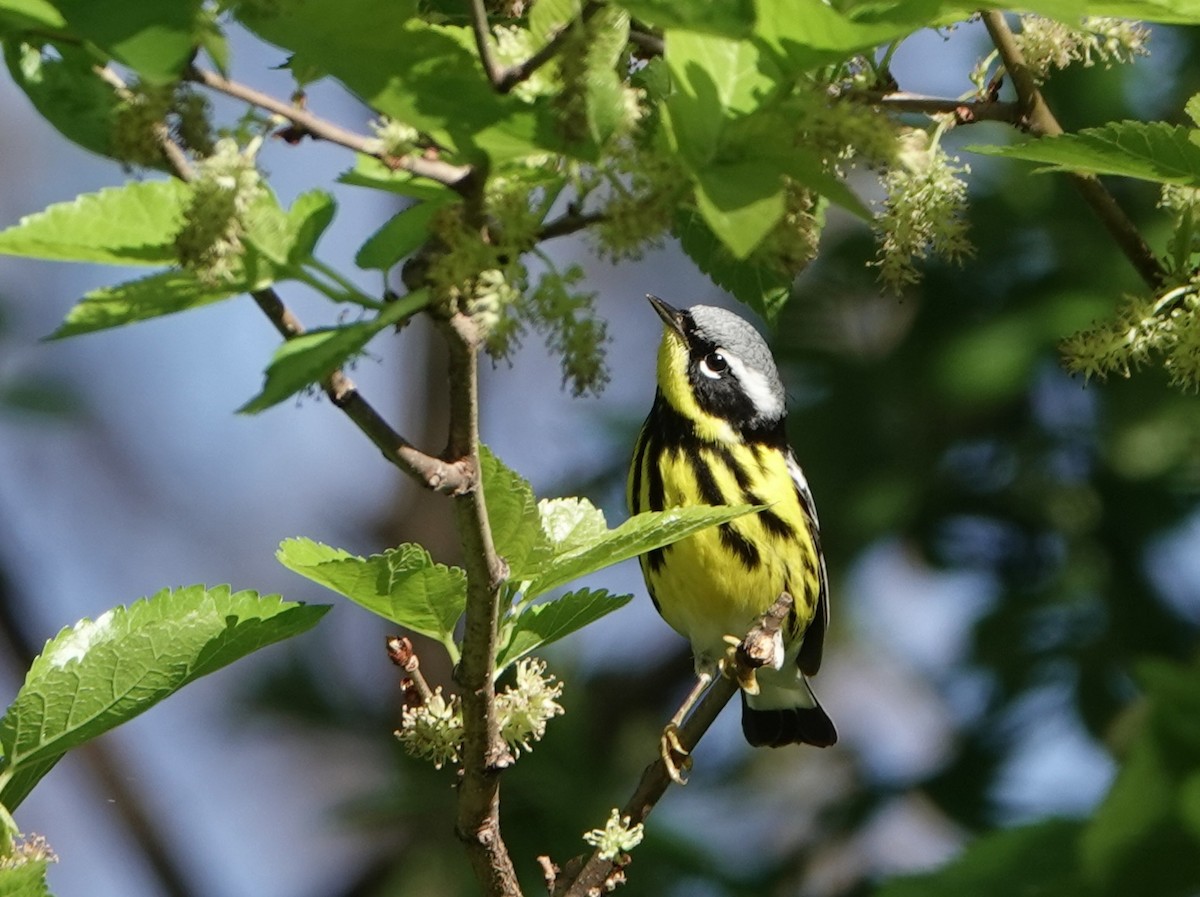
25 879
370 172
287 239
1151 151
131 225
637 535
731 18
716 80
398 65
65 90
741 202
513 515
401 235
571 523
764 289
542 624
98 674
139 300
548 17
1044 854
30 15
802 36
402 585
156 39
309 358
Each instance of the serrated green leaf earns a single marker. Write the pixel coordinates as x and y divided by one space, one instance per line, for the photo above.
571 523
140 300
400 235
402 585
131 225
1151 151
637 535
371 173
513 515
764 289
155 39
98 674
541 624
307 359
27 879
65 90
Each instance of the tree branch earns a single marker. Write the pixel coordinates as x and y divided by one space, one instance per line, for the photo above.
484 754
1039 120
756 650
964 111
505 78
454 176
433 473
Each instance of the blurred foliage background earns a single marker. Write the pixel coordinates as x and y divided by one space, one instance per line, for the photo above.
1016 596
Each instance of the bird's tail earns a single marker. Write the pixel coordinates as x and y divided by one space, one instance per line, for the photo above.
786 715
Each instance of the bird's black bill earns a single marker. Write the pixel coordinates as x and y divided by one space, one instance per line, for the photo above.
671 316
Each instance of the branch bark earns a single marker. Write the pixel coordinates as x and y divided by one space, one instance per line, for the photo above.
454 176
757 650
484 754
964 111
1039 120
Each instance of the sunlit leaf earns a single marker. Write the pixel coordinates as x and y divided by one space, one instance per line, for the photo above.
541 624
98 674
307 359
402 585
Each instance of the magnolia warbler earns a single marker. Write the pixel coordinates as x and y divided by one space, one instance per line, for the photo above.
714 436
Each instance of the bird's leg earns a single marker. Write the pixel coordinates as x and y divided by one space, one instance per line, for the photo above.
762 646
675 756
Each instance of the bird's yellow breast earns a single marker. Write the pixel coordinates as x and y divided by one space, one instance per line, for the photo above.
716 582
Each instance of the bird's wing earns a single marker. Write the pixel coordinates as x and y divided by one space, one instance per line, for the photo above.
809 659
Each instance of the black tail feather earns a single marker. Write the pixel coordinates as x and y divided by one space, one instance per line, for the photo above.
791 725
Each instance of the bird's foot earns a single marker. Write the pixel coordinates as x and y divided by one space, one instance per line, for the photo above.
737 664
676 758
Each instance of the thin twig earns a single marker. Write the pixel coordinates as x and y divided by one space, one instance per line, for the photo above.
505 78
484 754
454 176
570 222
964 111
755 650
432 472
649 44
1038 120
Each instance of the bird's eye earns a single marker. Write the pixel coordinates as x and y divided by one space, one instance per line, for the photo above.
713 365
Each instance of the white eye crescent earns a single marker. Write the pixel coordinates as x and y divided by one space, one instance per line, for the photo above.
713 365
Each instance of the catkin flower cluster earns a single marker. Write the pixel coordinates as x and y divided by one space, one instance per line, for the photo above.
225 186
617 837
434 730
925 211
1049 44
